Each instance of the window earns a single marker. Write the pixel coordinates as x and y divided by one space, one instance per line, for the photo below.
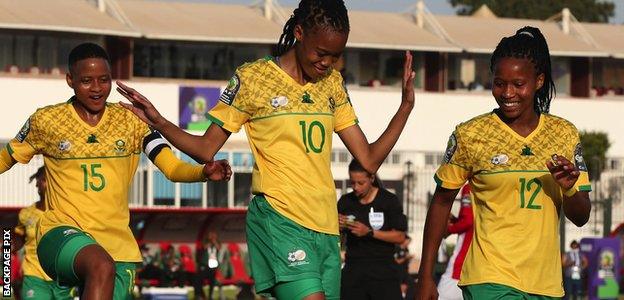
396 158
192 60
242 189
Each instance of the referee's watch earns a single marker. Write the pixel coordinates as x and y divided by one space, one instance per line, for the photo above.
370 232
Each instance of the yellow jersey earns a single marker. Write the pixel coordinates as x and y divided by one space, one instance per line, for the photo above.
27 227
289 127
516 201
89 170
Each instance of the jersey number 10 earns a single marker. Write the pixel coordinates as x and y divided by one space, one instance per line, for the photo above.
307 136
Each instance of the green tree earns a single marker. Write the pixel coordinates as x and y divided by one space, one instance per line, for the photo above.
583 10
595 146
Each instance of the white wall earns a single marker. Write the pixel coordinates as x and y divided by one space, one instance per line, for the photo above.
430 124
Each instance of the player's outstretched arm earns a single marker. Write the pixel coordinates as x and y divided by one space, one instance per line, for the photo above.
435 227
372 155
576 206
201 148
180 171
6 160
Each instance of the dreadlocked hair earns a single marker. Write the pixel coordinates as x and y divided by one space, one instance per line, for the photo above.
314 13
529 43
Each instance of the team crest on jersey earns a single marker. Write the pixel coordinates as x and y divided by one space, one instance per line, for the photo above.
231 90
21 135
64 145
30 293
500 159
279 101
578 158
451 146
120 146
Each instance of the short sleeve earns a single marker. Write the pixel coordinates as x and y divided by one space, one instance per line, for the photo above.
398 220
20 228
457 166
27 142
343 110
582 183
234 106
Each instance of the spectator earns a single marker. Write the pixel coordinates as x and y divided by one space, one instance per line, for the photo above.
210 257
188 271
402 257
373 221
170 264
151 266
573 263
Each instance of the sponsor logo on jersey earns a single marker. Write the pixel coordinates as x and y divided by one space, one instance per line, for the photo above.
23 133
578 158
64 145
451 146
500 159
231 90
279 101
526 151
92 139
332 104
306 98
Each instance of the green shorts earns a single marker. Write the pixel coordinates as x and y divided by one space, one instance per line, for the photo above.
57 251
493 291
36 288
289 261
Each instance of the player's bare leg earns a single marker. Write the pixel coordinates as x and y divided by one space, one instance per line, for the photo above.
97 269
315 296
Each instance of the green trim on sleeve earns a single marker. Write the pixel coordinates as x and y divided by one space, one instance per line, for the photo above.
437 179
215 120
8 146
585 188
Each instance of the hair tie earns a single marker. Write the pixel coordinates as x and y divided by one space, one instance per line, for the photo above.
527 33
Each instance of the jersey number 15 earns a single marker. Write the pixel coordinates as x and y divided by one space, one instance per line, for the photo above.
92 179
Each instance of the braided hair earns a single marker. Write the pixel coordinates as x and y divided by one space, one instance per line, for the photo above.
529 43
312 13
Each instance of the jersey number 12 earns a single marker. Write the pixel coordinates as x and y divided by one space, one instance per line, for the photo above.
528 186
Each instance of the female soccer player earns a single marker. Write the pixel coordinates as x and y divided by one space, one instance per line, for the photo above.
91 150
523 166
290 105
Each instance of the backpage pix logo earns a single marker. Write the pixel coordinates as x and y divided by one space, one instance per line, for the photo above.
6 263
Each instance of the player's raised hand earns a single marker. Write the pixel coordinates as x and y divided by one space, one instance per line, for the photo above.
140 106
563 171
218 170
408 80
